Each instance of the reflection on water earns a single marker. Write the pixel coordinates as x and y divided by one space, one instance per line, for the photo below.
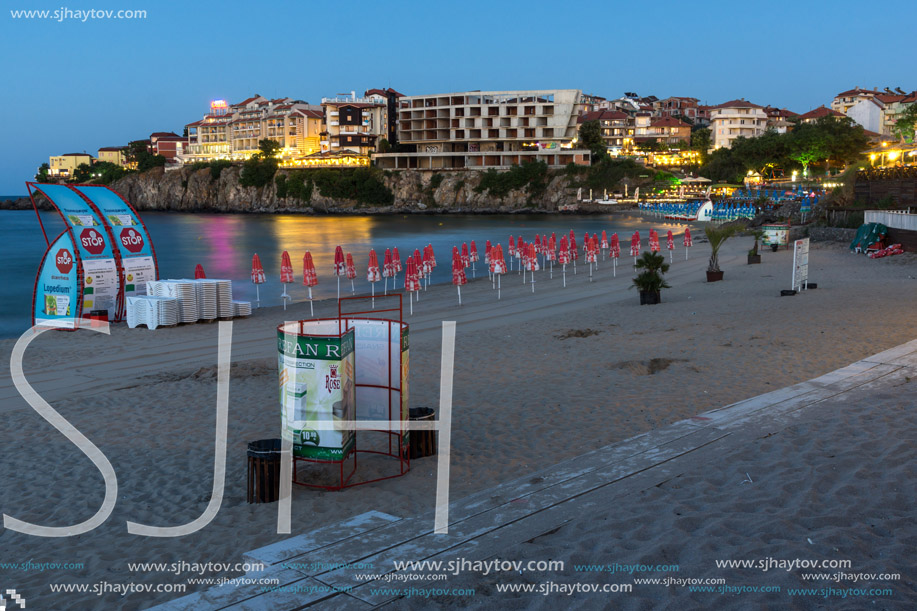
224 245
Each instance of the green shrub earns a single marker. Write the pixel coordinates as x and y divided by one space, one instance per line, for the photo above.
257 172
363 185
531 176
217 167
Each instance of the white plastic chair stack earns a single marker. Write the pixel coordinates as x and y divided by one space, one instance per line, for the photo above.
151 311
241 308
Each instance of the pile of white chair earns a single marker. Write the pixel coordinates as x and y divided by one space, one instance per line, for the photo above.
192 300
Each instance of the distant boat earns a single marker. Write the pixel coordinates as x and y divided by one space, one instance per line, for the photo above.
606 202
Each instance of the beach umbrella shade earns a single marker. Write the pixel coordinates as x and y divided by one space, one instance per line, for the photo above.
396 261
604 244
466 257
615 251
497 266
551 252
286 275
563 256
351 273
473 257
595 238
388 268
257 276
635 246
432 257
411 281
309 277
654 241
670 244
458 273
511 250
520 252
574 253
199 272
426 268
372 273
532 264
340 268
418 263
688 241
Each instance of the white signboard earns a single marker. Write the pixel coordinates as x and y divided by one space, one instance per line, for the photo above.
800 264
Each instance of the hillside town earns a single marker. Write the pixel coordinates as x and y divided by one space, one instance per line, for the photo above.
478 130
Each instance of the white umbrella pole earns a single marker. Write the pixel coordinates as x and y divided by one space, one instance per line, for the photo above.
339 288
311 309
459 287
386 286
552 269
523 277
565 275
284 297
373 284
473 276
533 282
590 271
353 289
686 253
498 284
258 287
671 256
411 301
574 267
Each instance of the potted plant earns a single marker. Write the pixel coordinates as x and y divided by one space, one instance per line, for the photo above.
717 236
753 256
650 281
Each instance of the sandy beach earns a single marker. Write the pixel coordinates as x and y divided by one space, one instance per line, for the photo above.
539 378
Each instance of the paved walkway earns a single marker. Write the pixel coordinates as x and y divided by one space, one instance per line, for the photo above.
490 523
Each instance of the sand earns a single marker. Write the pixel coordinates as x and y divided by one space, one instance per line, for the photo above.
538 379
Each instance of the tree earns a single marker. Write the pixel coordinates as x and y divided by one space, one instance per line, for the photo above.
43 173
138 155
907 123
808 144
268 148
383 146
700 142
590 137
82 173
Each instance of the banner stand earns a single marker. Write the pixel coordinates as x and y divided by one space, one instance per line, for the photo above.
349 369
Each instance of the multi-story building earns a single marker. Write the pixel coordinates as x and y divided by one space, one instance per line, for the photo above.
845 100
355 124
817 113
488 129
234 131
678 107
868 112
617 127
168 144
63 166
895 104
391 98
113 154
780 119
734 119
668 130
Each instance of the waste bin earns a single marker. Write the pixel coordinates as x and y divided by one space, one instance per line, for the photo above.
264 471
423 441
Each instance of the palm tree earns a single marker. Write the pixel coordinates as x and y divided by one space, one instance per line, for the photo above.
717 235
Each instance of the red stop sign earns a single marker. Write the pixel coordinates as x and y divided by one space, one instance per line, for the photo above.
131 239
92 241
64 261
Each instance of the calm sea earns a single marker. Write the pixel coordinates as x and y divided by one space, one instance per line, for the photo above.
224 245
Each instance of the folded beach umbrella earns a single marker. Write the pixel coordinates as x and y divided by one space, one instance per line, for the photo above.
309 277
411 281
511 251
340 268
351 273
635 246
388 268
604 242
550 252
418 264
426 267
595 238
654 241
396 261
615 253
458 273
688 241
286 275
497 265
538 248
520 252
372 273
574 253
532 264
199 272
563 256
473 257
257 276
670 244
466 258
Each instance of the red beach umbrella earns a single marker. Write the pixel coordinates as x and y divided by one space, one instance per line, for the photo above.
372 273
670 244
286 275
473 257
595 238
309 277
550 251
654 241
257 276
511 250
458 273
604 240
574 253
411 281
615 253
635 246
563 256
418 263
396 260
426 268
199 272
340 267
688 241
351 273
466 258
497 266
432 257
388 268
532 264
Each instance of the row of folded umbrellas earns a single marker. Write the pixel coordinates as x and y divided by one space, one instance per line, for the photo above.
540 253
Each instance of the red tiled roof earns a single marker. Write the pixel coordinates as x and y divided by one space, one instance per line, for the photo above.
76 155
173 138
602 115
248 101
112 148
195 124
855 91
315 114
668 122
821 111
736 104
163 134
354 104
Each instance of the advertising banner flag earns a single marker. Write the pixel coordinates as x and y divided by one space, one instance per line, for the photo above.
56 301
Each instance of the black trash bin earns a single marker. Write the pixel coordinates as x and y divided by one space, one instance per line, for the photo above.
264 471
423 441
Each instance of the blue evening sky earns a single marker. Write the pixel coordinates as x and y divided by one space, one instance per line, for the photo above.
74 86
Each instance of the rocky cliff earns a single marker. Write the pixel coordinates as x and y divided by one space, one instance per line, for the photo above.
194 191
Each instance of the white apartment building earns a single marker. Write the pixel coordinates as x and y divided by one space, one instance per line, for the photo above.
487 129
735 119
233 132
354 124
845 100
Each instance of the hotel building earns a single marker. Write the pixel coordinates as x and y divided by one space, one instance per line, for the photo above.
735 119
64 165
487 129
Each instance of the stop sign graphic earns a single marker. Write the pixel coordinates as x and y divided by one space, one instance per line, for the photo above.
92 241
131 239
64 261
